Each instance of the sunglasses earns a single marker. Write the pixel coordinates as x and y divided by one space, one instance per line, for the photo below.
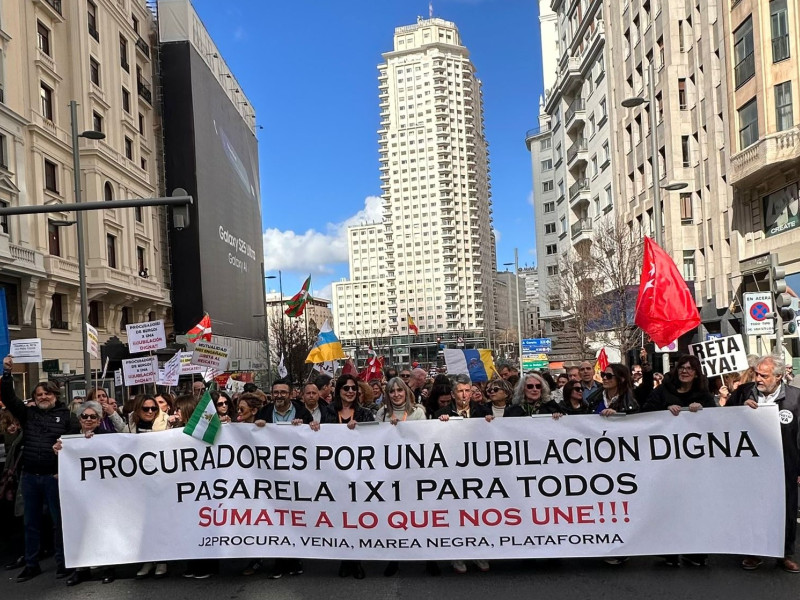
149 408
349 388
88 417
533 386
222 403
494 390
405 376
607 375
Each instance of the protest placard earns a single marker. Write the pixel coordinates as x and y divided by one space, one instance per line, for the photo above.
171 372
210 356
721 355
430 490
92 341
118 378
144 337
187 368
26 351
141 370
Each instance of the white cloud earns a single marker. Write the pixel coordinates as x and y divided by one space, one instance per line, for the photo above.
530 198
324 292
315 251
497 236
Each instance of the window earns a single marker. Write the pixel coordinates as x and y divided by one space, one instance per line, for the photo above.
546 144
4 220
552 270
57 312
682 94
43 38
108 192
784 119
125 318
685 151
743 56
92 13
551 249
686 208
547 165
94 71
123 54
748 124
688 265
3 152
137 213
554 303
547 186
96 314
135 23
549 228
141 124
128 148
46 98
111 250
549 207
779 21
50 176
53 239
141 264
126 100
97 122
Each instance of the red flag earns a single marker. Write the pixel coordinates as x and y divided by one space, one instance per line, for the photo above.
374 368
349 368
200 331
665 308
601 364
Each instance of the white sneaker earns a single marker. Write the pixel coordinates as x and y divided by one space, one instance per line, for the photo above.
459 567
161 570
482 565
144 571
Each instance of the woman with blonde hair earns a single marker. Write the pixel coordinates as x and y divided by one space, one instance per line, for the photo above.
401 405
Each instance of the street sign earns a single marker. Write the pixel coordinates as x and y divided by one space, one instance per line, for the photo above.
533 362
536 346
757 305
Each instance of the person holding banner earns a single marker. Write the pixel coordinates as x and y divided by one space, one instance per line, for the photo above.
462 404
283 409
533 394
500 395
616 394
43 423
248 407
146 416
111 421
768 388
572 402
401 405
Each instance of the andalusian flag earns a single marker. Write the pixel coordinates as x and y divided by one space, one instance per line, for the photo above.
204 424
201 331
298 302
411 325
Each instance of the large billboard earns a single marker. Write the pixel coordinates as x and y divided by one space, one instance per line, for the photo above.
781 210
211 152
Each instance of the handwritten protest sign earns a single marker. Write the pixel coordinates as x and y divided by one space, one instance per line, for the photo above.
211 356
144 337
187 368
721 355
428 490
141 370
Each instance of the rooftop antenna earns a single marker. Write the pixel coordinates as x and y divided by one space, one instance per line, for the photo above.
430 9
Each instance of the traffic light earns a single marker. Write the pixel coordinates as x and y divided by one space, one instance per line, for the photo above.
785 322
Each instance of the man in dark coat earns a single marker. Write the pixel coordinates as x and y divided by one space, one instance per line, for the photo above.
42 424
769 388
461 404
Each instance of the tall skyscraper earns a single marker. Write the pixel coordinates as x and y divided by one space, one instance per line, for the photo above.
434 170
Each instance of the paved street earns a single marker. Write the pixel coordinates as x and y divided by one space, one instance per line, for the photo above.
640 578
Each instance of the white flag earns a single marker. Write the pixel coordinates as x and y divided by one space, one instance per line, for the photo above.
282 368
326 368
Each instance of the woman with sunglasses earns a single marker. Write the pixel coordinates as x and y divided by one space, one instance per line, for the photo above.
110 420
616 393
224 404
572 402
401 405
249 405
532 393
146 416
346 410
500 404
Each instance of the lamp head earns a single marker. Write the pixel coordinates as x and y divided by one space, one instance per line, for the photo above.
93 135
634 102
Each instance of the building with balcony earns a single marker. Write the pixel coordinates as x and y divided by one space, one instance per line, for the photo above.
762 77
437 237
97 53
683 44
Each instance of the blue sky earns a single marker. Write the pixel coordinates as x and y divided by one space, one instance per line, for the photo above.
309 69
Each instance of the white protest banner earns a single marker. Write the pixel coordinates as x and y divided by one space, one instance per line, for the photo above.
586 485
92 341
171 371
140 370
26 351
721 355
118 377
144 337
212 356
187 368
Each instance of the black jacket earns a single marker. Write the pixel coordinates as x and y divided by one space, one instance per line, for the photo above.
511 410
542 408
789 400
627 404
360 414
566 407
301 412
41 428
475 410
666 395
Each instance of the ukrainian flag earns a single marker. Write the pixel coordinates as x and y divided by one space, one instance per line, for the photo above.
327 347
478 364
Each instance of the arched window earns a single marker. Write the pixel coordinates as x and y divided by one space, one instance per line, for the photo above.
108 192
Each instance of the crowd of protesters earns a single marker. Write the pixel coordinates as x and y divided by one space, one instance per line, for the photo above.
33 430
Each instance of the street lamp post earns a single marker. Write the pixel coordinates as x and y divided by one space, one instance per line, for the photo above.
519 317
657 225
76 164
266 329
